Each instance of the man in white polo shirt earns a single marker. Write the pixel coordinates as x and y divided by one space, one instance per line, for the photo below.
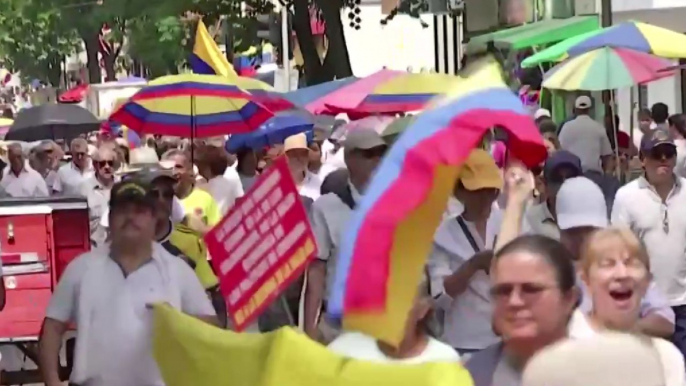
71 175
586 138
654 207
107 292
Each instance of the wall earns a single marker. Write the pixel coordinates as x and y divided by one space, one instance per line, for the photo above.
401 44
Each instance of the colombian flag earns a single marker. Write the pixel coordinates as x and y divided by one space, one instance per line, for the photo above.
389 236
206 57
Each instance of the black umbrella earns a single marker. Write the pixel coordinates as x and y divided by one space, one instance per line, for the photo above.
52 121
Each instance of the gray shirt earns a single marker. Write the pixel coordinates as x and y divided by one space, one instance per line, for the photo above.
587 139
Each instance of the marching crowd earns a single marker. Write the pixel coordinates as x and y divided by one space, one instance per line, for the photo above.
522 261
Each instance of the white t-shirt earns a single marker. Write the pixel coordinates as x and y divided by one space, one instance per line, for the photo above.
671 358
69 179
224 191
29 183
363 347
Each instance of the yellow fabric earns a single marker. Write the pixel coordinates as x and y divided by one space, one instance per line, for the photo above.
190 352
191 244
481 172
207 50
663 42
199 202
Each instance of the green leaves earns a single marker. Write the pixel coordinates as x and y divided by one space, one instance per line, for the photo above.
34 40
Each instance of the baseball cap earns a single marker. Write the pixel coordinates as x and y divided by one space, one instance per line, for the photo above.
559 159
608 359
580 203
132 189
540 113
583 102
362 139
655 138
480 172
294 142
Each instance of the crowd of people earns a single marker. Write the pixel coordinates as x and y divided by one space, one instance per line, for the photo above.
522 261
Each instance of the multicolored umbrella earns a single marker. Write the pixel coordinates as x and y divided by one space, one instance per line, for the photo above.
383 251
307 97
192 105
272 132
386 91
631 35
606 69
264 94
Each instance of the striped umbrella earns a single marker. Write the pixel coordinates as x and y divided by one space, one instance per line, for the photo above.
606 69
192 106
386 91
632 35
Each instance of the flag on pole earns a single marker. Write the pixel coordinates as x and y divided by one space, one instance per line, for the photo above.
206 57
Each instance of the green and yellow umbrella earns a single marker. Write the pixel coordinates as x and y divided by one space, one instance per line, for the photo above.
606 69
632 35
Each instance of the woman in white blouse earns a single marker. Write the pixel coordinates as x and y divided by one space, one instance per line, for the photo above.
616 269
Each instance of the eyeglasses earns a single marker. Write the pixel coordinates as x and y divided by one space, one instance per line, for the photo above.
528 292
166 194
104 163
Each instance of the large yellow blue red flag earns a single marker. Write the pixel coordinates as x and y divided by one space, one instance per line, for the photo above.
383 251
190 352
206 57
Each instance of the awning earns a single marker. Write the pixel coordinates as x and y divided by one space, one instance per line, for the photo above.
535 34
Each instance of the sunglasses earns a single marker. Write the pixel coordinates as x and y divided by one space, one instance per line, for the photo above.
528 292
663 152
104 163
166 194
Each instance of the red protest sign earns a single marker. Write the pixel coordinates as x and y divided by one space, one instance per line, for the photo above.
261 245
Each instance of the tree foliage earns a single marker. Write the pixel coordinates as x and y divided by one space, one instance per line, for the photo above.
34 40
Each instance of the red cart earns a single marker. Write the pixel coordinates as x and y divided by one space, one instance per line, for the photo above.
38 238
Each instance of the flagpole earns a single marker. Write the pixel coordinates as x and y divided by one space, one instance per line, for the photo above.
285 57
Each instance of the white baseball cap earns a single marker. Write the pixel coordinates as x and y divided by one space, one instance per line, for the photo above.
583 102
540 113
580 203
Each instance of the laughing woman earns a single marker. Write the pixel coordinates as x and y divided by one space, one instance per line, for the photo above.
616 270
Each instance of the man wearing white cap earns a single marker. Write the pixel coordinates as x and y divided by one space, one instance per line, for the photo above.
586 138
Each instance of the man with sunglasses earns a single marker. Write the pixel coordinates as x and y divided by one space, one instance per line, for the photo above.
654 207
363 150
97 190
71 176
178 239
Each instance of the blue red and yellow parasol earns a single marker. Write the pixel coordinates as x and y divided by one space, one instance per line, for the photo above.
192 105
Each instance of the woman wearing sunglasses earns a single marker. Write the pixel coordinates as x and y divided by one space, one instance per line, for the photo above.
616 270
533 291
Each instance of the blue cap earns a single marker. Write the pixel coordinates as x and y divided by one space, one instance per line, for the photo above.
655 138
558 159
